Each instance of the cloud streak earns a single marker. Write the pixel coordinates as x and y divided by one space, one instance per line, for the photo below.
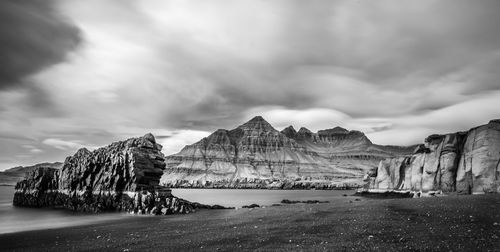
62 145
116 69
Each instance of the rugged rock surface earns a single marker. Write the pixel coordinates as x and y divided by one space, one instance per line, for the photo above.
122 166
479 164
13 175
463 162
123 176
255 155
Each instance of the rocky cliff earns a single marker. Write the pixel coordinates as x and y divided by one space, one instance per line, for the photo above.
462 162
13 175
256 155
123 176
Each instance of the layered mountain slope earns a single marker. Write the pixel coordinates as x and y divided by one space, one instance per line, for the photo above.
255 154
465 162
339 142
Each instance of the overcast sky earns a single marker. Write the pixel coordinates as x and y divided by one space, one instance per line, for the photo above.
87 73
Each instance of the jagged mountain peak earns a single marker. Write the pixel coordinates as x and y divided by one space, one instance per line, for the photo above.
257 123
256 151
257 119
303 130
234 137
289 132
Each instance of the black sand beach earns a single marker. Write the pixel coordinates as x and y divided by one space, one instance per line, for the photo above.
452 223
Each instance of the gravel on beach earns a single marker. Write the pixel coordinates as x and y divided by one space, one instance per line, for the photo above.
451 223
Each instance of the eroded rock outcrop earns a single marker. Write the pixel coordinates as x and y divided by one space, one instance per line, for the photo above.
463 162
479 164
123 176
256 155
13 175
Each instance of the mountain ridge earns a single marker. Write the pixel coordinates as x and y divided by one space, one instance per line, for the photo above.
255 154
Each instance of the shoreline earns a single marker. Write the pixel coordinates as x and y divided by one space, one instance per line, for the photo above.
265 189
438 223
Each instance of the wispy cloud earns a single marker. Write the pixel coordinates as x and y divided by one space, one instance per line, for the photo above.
62 144
110 70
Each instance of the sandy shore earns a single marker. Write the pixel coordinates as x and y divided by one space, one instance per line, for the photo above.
458 223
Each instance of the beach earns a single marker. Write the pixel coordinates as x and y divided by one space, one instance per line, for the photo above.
450 223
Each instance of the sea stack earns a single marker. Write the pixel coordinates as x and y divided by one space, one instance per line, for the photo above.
123 176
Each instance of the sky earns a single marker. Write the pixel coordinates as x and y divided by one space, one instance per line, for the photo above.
87 73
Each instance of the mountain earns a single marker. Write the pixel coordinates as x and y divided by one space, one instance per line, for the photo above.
255 154
13 175
463 162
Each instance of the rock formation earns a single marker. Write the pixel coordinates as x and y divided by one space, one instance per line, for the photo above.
255 155
123 176
13 175
462 162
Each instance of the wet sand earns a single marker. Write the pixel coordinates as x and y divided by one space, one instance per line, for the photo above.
457 223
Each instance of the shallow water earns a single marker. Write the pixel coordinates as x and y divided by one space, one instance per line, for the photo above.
16 219
241 197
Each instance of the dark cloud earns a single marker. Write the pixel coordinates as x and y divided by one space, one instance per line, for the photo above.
395 50
397 70
484 76
389 41
39 102
34 36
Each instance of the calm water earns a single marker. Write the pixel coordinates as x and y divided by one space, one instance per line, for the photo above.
238 198
15 219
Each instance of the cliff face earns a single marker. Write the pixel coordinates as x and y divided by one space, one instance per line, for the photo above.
257 155
13 175
123 176
479 165
465 162
122 166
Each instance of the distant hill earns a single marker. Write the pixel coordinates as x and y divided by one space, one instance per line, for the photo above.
14 174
